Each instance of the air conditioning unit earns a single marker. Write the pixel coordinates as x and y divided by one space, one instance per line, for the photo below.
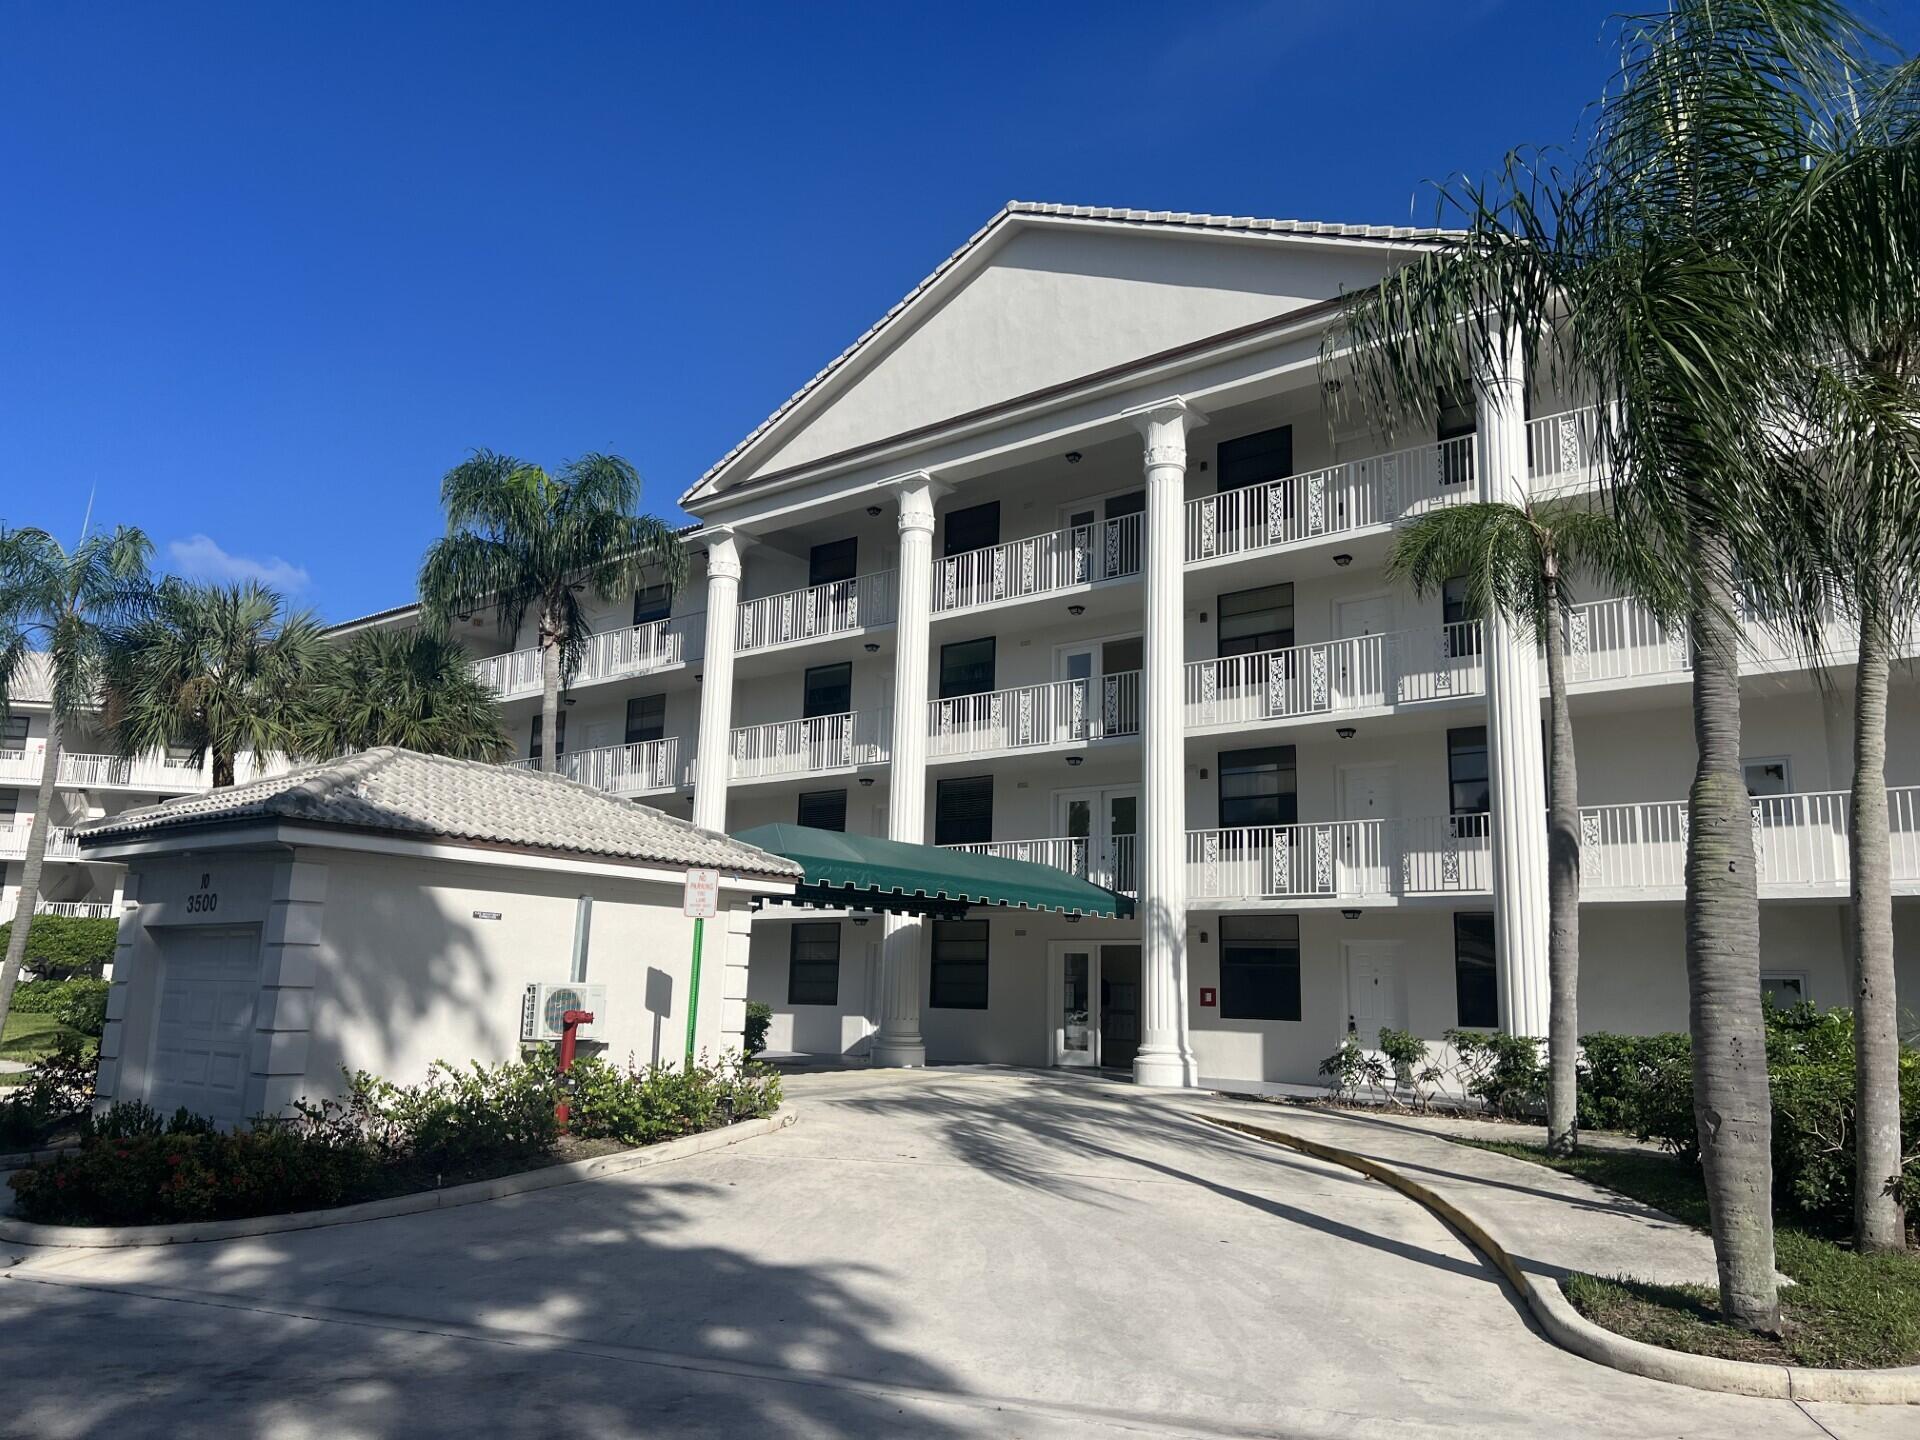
544 1006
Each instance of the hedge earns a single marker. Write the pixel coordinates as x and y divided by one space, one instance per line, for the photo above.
77 1004
60 947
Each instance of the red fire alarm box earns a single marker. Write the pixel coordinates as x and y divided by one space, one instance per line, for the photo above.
1209 997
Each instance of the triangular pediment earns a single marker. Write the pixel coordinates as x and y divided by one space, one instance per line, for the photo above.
1037 302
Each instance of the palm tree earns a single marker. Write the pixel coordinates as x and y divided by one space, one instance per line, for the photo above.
414 688
1641 277
60 603
1519 561
214 670
522 540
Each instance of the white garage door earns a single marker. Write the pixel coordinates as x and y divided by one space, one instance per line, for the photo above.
203 1035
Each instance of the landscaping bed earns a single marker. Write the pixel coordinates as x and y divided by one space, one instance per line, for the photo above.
134 1167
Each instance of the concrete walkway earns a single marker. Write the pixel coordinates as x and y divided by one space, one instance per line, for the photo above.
944 1253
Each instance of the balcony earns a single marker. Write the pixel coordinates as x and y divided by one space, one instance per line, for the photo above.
13 841
1563 451
823 745
843 607
609 655
1343 861
646 767
1336 677
1053 716
1069 559
102 772
1621 640
1639 852
1112 863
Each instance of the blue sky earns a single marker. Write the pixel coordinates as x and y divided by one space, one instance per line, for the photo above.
269 270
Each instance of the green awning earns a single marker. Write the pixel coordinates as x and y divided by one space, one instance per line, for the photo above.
867 873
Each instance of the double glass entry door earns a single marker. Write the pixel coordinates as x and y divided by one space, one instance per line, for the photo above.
1105 824
1096 997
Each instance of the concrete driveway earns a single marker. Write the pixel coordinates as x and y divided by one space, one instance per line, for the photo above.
948 1253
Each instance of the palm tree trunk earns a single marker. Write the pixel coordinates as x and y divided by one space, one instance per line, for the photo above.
1879 1220
1563 901
1731 1105
549 700
30 872
224 769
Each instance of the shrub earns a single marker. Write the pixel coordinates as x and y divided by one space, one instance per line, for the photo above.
1502 1071
759 1017
78 1004
60 947
1641 1084
1413 1070
58 1090
1352 1068
641 1106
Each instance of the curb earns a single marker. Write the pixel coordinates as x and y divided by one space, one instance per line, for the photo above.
1571 1330
115 1237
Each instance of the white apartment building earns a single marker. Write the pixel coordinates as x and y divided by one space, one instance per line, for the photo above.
1064 559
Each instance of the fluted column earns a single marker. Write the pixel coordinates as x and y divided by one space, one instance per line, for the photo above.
713 755
1165 1058
1516 760
898 1041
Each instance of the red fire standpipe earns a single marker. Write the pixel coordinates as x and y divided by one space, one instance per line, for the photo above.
570 1024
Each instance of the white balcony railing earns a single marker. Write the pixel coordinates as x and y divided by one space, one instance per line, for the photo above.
22 766
1063 712
1403 667
805 747
1111 863
822 610
72 909
1621 639
1799 842
152 772
1343 859
1352 495
1564 450
1039 564
13 841
609 654
645 767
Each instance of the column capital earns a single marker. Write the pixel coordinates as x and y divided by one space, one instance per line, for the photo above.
723 544
1165 425
916 491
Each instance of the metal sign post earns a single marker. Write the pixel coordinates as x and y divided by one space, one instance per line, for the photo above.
702 902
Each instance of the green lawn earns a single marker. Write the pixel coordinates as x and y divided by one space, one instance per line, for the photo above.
1844 1310
28 1037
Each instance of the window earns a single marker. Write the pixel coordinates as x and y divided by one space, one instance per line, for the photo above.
813 969
1260 967
1467 771
651 603
823 810
1257 787
1459 417
646 718
828 690
1251 621
958 977
966 668
1455 611
836 560
13 734
974 528
1255 459
1771 776
560 737
1786 988
180 755
1476 988
963 811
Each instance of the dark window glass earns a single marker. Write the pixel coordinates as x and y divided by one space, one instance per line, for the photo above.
966 668
1131 503
1454 610
963 811
829 690
1260 967
1257 787
560 731
13 733
646 718
836 560
957 979
1467 770
1251 621
1459 416
1475 987
974 528
652 602
1255 459
823 809
813 973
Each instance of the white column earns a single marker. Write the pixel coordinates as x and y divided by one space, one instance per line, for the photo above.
713 754
1516 759
1165 1058
898 1041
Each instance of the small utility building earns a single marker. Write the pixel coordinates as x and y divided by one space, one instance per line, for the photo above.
392 909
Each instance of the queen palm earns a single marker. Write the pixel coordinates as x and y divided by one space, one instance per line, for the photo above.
59 604
1641 277
1519 561
521 540
214 670
414 688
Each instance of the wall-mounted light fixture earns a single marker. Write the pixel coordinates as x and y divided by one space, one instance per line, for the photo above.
1076 610
1073 457
1346 732
866 779
1075 759
873 647
1350 914
861 919
1343 560
873 509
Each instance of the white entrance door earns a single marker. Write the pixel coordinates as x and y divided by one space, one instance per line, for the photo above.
1373 990
1075 982
1366 813
203 1028
1106 823
1359 671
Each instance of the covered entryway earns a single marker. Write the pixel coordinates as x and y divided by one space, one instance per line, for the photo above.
203 1027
